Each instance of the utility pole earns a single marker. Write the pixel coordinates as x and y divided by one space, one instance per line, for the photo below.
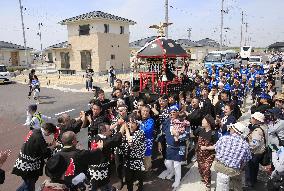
189 33
242 22
222 23
166 18
246 38
39 34
24 32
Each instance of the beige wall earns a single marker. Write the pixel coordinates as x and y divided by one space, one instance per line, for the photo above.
80 43
4 58
97 26
5 55
102 45
117 45
22 59
57 57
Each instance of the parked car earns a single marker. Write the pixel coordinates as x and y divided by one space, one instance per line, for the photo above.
5 75
255 60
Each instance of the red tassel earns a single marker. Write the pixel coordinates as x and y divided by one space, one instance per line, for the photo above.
94 146
71 168
28 136
56 134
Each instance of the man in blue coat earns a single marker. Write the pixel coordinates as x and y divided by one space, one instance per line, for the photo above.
147 126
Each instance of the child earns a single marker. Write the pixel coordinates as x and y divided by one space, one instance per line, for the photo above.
35 119
36 88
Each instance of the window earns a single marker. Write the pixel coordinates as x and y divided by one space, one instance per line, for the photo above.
112 57
65 60
50 57
84 30
3 69
106 26
121 29
86 59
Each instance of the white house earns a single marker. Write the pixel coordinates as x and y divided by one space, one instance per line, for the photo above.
13 54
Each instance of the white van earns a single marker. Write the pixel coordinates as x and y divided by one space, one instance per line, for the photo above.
5 76
245 52
255 60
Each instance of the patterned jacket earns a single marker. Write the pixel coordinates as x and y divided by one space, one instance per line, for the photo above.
30 162
134 151
100 173
78 161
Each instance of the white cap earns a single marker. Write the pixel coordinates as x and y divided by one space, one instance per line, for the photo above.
78 179
258 116
241 129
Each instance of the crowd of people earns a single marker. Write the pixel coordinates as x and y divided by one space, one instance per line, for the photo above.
131 129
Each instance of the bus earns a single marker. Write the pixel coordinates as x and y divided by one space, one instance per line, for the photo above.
245 52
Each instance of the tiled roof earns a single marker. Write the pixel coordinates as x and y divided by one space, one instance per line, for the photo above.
59 45
185 43
10 45
140 43
276 45
208 42
96 15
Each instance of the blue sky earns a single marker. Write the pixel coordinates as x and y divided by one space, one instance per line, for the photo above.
265 19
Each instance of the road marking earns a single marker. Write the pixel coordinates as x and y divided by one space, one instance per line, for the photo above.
64 112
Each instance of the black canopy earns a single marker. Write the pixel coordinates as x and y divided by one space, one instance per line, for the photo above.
161 48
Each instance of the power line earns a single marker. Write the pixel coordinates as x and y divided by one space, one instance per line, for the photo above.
180 10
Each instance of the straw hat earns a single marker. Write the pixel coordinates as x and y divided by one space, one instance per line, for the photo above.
280 97
241 129
258 116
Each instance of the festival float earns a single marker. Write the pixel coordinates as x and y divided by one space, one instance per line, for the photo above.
155 65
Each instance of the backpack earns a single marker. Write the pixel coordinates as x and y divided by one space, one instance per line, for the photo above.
267 155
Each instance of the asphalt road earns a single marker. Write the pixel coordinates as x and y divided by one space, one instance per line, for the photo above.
13 106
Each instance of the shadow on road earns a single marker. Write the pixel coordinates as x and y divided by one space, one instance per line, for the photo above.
47 102
45 97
